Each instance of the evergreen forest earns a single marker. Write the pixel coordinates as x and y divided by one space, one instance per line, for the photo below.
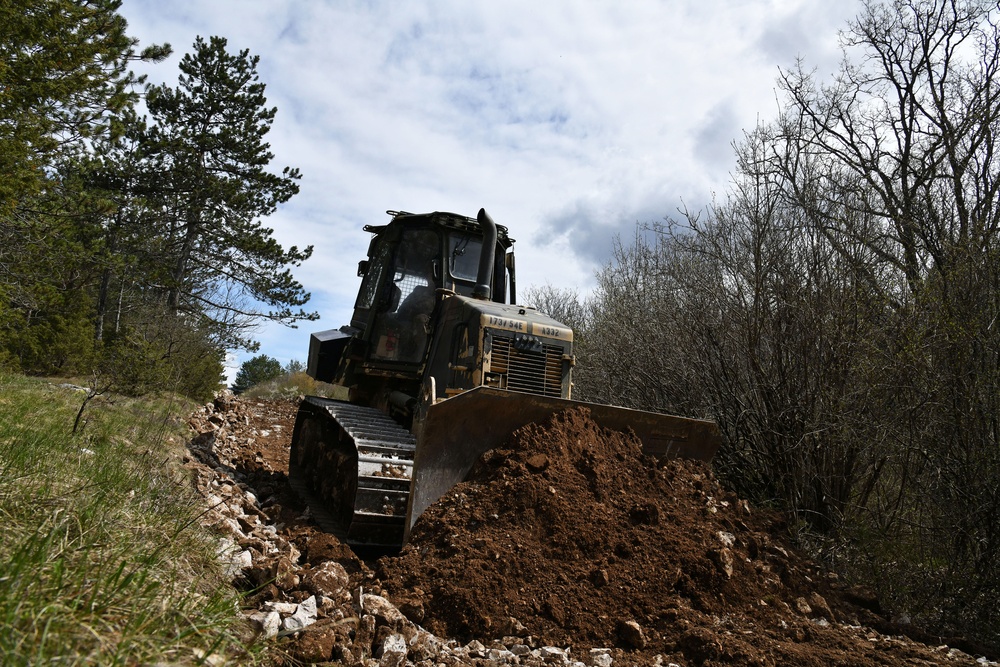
132 245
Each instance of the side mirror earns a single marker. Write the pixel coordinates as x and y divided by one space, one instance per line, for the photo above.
363 267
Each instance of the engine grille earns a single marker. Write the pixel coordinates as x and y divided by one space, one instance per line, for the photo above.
530 371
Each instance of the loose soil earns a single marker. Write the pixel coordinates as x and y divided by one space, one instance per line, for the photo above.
569 536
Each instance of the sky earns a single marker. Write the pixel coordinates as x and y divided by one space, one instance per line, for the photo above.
570 121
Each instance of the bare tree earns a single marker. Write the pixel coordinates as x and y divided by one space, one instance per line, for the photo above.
905 139
836 311
906 133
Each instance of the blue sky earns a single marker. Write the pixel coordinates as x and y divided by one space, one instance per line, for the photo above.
569 122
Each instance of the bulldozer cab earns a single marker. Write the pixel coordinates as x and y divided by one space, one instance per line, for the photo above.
410 259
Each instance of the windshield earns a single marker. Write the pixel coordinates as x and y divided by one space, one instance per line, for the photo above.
463 256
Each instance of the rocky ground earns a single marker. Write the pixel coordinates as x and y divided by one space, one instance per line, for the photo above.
567 546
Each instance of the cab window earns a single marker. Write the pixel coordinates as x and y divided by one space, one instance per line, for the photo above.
463 257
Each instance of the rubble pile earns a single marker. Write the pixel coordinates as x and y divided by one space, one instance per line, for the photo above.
565 547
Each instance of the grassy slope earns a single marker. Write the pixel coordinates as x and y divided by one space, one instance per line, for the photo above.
102 560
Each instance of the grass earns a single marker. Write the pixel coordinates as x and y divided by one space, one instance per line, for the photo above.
102 559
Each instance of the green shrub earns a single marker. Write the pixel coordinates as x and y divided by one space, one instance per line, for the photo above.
291 385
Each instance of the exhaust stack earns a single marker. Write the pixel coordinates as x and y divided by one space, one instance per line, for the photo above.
485 276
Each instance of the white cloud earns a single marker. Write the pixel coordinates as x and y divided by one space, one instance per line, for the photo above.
568 121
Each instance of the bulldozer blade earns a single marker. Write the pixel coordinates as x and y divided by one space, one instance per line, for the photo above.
457 431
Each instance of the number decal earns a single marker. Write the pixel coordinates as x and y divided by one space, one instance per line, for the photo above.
509 325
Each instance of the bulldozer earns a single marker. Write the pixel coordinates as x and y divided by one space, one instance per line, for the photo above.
437 366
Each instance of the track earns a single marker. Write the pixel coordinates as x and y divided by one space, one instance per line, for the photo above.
353 465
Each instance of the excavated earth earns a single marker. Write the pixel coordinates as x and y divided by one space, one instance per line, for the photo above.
565 546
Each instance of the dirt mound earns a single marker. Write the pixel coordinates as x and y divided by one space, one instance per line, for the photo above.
567 539
571 535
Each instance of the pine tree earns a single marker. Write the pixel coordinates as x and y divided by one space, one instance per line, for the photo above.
63 79
220 263
255 371
63 73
